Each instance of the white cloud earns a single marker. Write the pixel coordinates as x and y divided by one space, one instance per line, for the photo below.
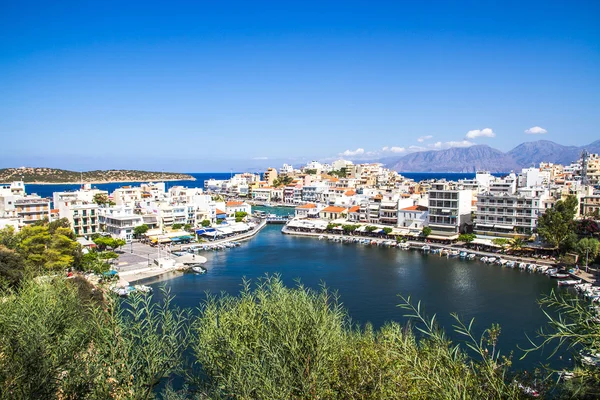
416 148
452 143
260 158
485 132
536 130
394 149
424 138
349 153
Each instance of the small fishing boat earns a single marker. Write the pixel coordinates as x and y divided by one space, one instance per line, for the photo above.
471 256
143 289
426 248
558 276
453 253
404 246
510 264
463 254
569 282
199 269
483 259
491 260
522 265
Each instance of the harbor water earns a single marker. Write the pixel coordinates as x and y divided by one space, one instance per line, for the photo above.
369 280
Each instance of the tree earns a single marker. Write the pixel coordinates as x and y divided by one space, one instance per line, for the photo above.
556 224
587 248
500 241
140 230
426 231
332 225
370 228
387 230
11 267
8 237
187 227
309 171
587 227
282 181
205 223
102 199
177 226
516 244
467 237
41 249
240 215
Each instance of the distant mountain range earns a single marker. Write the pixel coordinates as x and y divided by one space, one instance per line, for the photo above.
483 157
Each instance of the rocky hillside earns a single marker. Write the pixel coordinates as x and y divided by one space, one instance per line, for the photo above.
54 175
464 159
481 157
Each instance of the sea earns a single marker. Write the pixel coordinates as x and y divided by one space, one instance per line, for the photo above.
47 190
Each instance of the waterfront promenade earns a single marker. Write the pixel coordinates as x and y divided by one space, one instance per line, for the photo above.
415 245
137 265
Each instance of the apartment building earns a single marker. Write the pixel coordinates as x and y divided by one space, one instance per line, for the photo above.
509 215
449 210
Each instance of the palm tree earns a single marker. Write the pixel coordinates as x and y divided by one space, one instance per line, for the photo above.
515 244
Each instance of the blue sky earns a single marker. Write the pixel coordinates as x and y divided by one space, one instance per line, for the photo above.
205 86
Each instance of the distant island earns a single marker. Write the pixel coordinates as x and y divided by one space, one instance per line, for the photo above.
55 175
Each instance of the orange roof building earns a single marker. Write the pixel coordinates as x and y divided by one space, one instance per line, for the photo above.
307 206
415 208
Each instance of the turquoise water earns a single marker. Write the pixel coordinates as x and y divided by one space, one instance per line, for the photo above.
369 279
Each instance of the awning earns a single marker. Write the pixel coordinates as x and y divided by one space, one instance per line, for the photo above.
436 237
200 231
483 226
225 230
504 226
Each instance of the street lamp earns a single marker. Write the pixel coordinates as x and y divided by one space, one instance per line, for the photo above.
586 258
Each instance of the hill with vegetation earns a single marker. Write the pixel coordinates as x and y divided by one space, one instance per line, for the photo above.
55 175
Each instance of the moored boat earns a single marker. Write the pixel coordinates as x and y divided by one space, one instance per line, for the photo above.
559 276
463 254
569 282
426 248
471 256
199 269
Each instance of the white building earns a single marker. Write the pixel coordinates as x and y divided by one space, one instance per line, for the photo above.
119 221
449 210
508 215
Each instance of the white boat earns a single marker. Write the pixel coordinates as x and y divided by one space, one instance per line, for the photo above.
569 282
426 248
471 256
143 288
483 259
454 253
542 269
522 265
463 254
405 246
199 269
510 264
490 260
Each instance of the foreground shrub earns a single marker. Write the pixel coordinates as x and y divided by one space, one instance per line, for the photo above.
56 344
272 342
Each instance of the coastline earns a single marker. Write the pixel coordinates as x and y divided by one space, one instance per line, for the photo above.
414 245
154 273
110 181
